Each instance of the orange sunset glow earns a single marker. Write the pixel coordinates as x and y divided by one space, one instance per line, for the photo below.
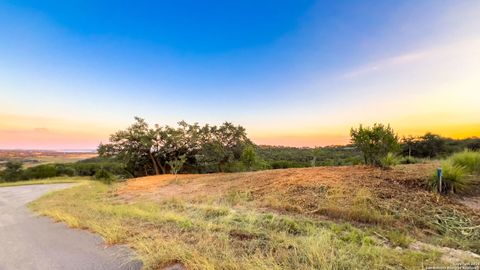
300 87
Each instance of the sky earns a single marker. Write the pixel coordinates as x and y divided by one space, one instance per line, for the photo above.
298 73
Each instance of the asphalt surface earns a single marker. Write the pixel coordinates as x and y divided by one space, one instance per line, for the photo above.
30 242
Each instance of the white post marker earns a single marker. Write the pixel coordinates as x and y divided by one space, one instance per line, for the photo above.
439 176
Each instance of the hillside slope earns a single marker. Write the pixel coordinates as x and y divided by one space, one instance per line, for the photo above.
310 218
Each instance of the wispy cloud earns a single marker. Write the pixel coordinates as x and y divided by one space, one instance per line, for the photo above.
457 49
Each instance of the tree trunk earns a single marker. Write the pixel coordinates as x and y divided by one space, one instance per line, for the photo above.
220 166
154 162
164 170
159 165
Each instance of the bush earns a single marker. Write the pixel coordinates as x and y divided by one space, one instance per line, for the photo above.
65 170
40 171
12 172
91 168
285 164
470 160
454 178
104 176
234 166
375 143
249 157
409 160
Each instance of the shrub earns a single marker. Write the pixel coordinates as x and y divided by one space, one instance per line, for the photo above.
409 160
470 160
40 171
454 178
104 176
12 172
65 170
249 156
285 164
375 142
234 166
91 168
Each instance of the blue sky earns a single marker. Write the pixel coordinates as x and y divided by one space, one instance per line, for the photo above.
291 72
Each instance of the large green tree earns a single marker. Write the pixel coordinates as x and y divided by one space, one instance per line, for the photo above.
134 147
145 150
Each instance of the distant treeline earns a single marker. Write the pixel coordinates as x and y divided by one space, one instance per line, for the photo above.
14 170
435 146
278 157
426 146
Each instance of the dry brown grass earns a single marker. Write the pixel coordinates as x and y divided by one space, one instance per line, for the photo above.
396 198
299 181
312 218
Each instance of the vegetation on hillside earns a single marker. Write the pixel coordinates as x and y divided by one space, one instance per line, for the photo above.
317 218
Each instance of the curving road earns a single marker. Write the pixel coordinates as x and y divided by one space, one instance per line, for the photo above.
29 242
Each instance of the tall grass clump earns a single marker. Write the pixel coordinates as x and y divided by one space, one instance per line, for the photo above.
470 160
390 160
454 178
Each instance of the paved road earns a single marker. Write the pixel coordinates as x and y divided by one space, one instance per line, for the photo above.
29 242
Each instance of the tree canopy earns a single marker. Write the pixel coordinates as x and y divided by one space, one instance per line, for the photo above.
146 150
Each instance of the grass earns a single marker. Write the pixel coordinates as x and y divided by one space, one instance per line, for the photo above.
460 172
470 160
409 160
55 180
217 236
316 218
454 178
390 160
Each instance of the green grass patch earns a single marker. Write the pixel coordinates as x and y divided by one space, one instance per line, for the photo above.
469 160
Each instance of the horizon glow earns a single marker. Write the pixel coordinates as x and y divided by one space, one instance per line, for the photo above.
298 73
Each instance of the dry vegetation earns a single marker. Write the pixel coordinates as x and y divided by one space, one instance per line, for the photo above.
311 218
365 195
